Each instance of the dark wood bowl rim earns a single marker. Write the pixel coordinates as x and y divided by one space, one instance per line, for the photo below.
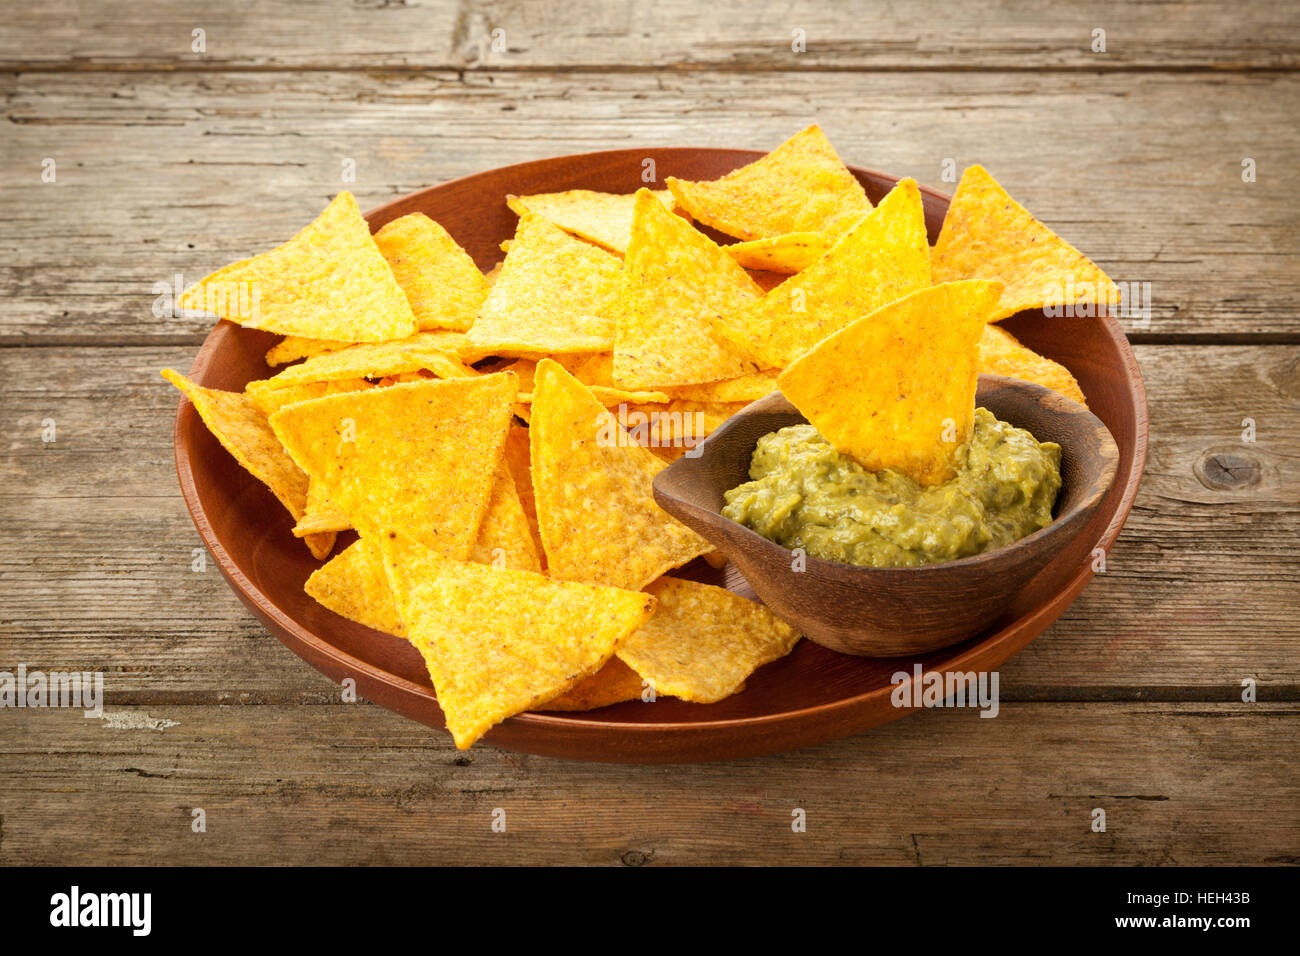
581 722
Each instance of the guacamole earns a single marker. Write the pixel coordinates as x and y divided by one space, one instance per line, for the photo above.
805 494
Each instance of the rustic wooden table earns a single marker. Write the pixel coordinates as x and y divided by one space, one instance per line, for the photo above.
175 151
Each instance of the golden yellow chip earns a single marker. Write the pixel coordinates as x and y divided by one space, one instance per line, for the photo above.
703 641
363 361
327 282
270 399
612 684
353 584
602 218
988 235
896 389
497 642
675 280
321 515
675 423
595 507
244 431
593 369
882 258
555 294
518 460
504 537
444 366
801 186
417 459
747 388
440 280
294 347
1002 354
784 254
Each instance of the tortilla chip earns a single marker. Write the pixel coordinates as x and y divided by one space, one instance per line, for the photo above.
675 280
676 423
244 431
327 282
271 400
801 186
1002 354
363 361
294 347
747 388
882 258
602 218
518 460
890 388
988 235
703 641
321 515
421 460
353 584
504 537
595 508
497 642
593 369
612 684
787 254
555 294
767 281
444 366
440 280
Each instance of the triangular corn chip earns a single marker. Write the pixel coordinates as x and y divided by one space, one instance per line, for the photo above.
440 280
896 389
497 642
518 460
1002 354
327 282
784 254
612 684
353 584
417 459
675 280
801 186
504 537
703 641
602 218
882 258
988 235
361 361
746 388
271 399
321 515
294 347
555 294
590 477
245 432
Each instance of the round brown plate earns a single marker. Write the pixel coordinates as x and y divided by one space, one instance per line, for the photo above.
811 696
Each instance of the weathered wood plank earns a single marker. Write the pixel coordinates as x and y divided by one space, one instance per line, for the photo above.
159 175
358 785
1202 590
672 35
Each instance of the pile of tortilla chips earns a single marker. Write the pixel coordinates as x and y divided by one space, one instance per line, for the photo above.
491 437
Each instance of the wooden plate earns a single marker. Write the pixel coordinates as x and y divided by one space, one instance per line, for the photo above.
811 696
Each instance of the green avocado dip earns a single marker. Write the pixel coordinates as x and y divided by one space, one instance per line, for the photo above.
805 494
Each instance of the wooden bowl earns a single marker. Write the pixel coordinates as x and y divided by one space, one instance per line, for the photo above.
809 696
889 612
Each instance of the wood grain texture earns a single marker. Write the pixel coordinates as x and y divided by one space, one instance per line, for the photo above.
165 174
665 35
1180 784
109 587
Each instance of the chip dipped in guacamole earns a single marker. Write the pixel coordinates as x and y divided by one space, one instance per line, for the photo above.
805 494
